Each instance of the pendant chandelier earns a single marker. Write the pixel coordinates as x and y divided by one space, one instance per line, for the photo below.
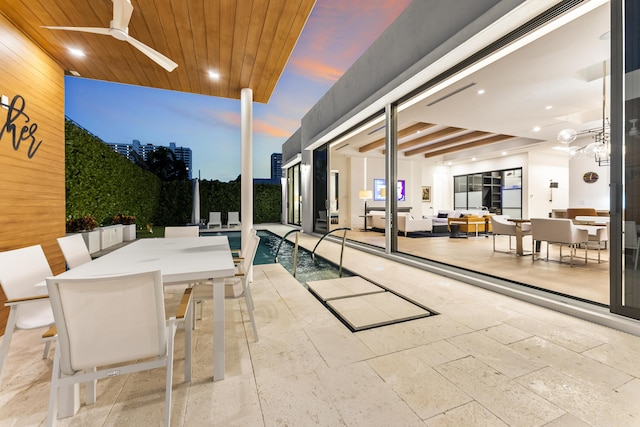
600 148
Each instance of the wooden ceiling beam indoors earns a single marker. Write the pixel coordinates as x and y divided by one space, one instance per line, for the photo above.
418 127
474 144
430 137
248 42
447 142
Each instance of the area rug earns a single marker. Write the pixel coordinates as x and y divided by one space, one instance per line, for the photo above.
421 234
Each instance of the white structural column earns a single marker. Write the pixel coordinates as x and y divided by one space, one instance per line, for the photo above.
246 135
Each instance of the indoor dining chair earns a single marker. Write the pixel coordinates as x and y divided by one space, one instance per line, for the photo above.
203 291
113 325
74 249
632 241
188 231
29 308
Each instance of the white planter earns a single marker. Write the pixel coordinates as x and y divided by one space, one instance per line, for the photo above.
92 240
129 233
110 235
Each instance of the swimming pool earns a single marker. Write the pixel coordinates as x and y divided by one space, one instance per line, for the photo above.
307 269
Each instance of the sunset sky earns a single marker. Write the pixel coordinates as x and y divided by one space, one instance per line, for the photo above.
336 34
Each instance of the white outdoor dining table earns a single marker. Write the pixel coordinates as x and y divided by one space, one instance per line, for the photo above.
180 260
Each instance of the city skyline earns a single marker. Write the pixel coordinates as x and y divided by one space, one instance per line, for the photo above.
335 36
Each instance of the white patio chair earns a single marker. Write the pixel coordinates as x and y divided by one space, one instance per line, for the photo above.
203 291
113 325
29 308
632 241
215 219
233 218
74 249
188 231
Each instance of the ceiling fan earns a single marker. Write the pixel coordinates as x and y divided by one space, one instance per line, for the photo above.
119 29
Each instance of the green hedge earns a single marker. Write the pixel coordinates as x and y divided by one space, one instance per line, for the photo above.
102 183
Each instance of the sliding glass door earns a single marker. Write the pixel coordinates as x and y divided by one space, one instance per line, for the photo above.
625 296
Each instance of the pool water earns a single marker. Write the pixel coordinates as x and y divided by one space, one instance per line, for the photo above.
307 269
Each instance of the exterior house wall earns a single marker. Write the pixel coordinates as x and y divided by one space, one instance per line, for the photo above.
407 47
32 172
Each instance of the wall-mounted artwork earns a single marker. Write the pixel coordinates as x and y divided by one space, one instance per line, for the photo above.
380 190
426 193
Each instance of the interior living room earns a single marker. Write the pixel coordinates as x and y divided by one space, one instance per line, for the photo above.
518 136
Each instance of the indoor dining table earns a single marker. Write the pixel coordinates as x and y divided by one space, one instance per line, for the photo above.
181 261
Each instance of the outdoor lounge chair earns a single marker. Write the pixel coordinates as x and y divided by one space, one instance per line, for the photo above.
233 218
215 219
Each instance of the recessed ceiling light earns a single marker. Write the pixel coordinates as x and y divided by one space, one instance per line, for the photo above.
548 107
214 75
504 153
480 91
450 163
76 52
473 159
536 128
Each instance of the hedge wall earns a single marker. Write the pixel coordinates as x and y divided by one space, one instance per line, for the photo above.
176 199
102 183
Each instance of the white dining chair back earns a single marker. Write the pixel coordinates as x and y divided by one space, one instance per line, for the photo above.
188 231
204 292
108 326
20 271
215 219
632 241
74 249
233 219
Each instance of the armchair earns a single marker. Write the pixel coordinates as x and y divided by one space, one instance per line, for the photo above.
502 226
559 231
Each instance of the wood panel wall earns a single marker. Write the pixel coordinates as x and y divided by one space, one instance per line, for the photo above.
32 182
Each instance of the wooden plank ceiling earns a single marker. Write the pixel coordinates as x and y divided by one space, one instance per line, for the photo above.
433 140
248 42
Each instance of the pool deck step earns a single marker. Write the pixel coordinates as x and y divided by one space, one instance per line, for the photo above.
364 305
343 287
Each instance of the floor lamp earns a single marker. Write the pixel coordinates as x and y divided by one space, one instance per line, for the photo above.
365 195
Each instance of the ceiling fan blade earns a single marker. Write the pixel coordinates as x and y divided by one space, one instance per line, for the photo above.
94 30
122 10
159 58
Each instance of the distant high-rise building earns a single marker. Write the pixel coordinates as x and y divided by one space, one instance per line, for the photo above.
276 166
276 171
143 150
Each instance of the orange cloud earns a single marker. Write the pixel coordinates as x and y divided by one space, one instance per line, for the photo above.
274 127
316 69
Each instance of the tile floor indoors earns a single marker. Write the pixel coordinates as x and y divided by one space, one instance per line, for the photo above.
486 359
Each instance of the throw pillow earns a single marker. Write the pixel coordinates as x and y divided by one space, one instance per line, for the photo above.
442 215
